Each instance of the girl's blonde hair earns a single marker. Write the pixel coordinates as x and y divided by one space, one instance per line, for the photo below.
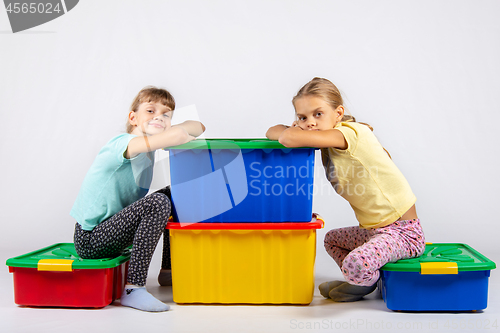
327 91
151 94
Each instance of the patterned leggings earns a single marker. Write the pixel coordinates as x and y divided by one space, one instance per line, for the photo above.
140 224
361 252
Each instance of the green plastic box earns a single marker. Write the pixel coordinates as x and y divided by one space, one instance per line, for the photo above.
56 276
447 277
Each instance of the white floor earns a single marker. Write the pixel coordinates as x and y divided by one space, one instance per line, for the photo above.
368 315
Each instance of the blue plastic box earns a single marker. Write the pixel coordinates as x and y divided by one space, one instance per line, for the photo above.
241 180
447 277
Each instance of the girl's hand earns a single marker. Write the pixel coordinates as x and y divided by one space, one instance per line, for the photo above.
190 138
193 127
295 128
297 137
173 136
182 137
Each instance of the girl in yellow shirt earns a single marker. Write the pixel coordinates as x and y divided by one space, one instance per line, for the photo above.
362 172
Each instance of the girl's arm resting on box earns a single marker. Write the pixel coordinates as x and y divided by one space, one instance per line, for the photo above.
173 136
274 132
193 127
296 137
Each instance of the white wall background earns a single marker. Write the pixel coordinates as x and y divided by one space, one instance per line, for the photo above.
425 74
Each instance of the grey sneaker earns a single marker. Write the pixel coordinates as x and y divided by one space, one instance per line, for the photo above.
326 287
350 293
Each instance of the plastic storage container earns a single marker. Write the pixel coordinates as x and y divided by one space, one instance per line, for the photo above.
246 263
57 276
447 277
241 180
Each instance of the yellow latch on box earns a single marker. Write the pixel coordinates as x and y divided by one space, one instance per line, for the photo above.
438 268
55 265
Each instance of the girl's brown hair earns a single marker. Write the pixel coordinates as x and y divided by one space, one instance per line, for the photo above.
327 91
151 94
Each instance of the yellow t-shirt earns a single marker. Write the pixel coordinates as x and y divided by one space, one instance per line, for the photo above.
367 178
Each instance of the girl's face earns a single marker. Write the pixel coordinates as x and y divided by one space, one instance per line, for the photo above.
314 114
150 118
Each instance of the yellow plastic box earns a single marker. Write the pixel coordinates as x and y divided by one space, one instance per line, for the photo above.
243 263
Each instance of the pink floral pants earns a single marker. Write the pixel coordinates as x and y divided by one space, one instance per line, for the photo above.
361 252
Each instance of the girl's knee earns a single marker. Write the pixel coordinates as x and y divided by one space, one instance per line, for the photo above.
332 237
161 201
160 198
160 208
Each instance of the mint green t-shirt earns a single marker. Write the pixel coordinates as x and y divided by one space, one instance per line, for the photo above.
112 183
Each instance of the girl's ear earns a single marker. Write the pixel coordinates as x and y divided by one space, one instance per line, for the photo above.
340 111
132 118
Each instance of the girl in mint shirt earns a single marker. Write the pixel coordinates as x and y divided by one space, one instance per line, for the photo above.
112 210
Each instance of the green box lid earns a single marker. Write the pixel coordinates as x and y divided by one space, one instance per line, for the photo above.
232 144
66 251
467 258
